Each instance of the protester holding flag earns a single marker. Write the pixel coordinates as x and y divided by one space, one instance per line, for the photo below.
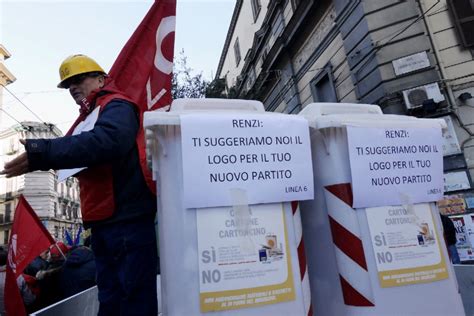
39 263
78 273
48 278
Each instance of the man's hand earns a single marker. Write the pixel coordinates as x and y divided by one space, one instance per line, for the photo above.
17 166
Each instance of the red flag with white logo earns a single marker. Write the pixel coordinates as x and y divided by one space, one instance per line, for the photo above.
28 239
144 68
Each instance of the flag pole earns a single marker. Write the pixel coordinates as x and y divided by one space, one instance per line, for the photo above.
60 251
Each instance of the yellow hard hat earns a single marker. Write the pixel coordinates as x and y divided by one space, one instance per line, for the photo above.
75 65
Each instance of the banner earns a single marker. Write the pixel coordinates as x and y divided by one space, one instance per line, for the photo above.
144 68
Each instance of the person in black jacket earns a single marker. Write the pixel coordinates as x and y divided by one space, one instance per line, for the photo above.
116 202
78 273
39 263
450 238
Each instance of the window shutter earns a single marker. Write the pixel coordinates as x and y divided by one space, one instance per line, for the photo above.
463 13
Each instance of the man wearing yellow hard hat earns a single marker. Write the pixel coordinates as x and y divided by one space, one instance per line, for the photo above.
116 202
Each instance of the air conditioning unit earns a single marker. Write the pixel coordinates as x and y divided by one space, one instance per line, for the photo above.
416 96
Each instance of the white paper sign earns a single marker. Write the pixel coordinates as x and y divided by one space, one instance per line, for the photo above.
395 166
268 156
84 126
456 180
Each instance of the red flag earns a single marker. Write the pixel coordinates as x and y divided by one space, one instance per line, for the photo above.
144 68
27 240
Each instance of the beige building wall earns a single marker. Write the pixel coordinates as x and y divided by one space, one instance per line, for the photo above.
245 27
456 63
334 55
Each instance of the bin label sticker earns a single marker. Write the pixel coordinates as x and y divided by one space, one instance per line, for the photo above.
268 156
406 245
244 257
395 166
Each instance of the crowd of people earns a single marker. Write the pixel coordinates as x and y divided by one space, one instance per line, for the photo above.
57 273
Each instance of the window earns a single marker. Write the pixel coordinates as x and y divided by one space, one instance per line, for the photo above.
463 13
294 3
55 209
8 212
11 147
9 188
256 6
278 25
237 52
251 78
6 237
322 86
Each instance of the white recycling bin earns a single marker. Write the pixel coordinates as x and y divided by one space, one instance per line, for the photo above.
382 259
204 256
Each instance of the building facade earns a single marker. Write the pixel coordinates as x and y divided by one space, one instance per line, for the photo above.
6 77
410 57
56 204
